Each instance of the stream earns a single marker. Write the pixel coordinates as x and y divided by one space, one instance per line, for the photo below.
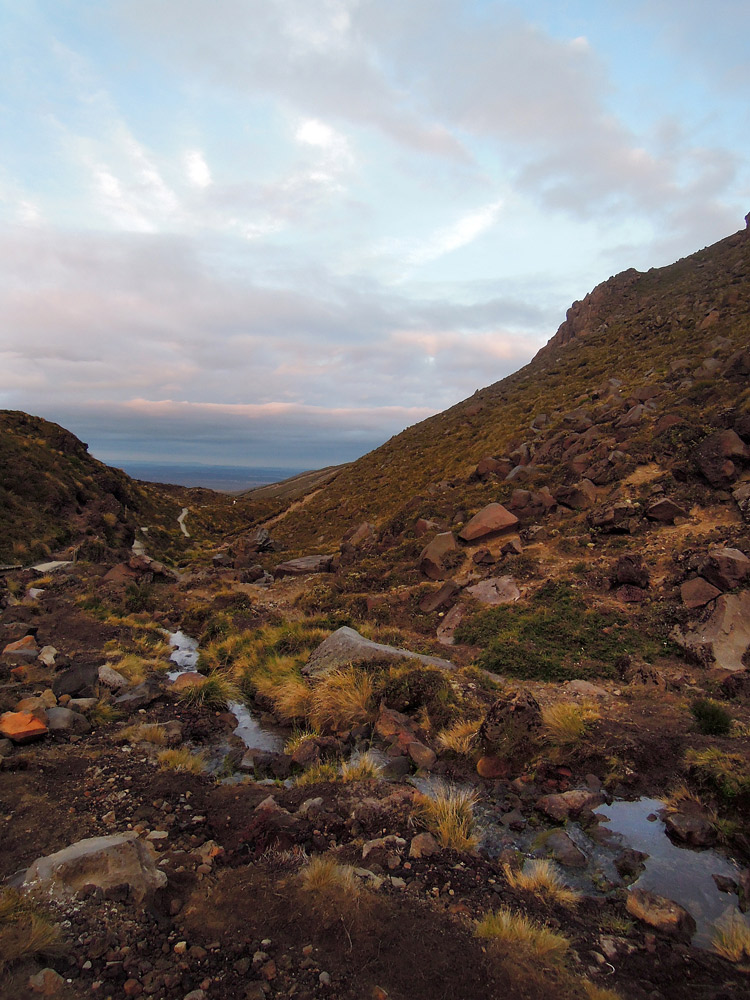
682 874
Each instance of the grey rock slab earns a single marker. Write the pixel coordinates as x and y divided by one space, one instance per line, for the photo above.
64 720
496 590
304 565
346 646
105 862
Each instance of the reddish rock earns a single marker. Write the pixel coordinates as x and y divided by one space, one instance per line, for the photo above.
423 845
120 574
630 569
698 592
719 456
46 983
694 828
492 767
581 496
489 466
512 547
492 520
442 598
629 594
666 422
663 914
449 625
742 499
22 649
422 756
632 418
565 805
725 568
21 727
665 511
562 849
721 638
432 556
422 526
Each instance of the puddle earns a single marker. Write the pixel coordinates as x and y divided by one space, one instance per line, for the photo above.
249 729
679 873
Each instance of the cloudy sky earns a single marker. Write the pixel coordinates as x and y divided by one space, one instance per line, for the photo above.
275 232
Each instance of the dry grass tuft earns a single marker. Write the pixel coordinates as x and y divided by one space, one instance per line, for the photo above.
731 938
103 713
214 693
342 699
680 796
543 879
449 815
325 875
318 774
364 768
566 722
459 737
290 696
593 992
517 931
24 930
144 732
181 759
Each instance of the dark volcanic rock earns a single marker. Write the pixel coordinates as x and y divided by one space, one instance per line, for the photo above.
720 456
725 568
433 557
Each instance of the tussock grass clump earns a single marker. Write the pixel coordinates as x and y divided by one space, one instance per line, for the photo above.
681 796
323 874
103 713
727 774
449 816
459 737
566 722
290 696
214 693
181 759
518 932
318 774
298 737
593 992
711 718
342 699
364 768
731 938
132 667
543 879
144 732
25 930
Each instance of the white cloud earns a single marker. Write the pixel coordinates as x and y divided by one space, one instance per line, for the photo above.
197 169
462 232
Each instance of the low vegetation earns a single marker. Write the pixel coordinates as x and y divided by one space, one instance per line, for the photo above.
516 931
711 718
565 723
25 930
181 759
449 815
731 939
364 768
542 879
215 693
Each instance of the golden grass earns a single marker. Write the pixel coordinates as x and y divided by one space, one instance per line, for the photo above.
449 815
364 768
342 699
324 874
514 929
290 696
103 713
459 737
181 759
24 930
317 774
214 693
144 732
566 722
542 879
731 938
298 737
593 992
680 796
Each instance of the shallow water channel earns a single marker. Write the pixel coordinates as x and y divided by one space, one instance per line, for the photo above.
682 874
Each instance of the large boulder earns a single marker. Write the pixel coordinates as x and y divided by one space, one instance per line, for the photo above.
106 862
436 554
491 520
305 565
725 568
742 499
719 457
346 646
665 510
64 720
511 725
630 570
722 638
23 649
79 681
697 592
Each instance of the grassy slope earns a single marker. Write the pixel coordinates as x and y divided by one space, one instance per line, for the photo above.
631 328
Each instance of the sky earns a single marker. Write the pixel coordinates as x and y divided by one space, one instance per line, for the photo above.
277 232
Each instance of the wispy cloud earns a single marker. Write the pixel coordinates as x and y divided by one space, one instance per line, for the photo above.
462 232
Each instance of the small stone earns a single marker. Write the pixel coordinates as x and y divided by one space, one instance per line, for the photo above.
46 983
195 995
324 979
423 845
268 970
132 988
180 948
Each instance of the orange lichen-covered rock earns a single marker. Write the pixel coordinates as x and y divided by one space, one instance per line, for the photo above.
21 727
190 678
23 649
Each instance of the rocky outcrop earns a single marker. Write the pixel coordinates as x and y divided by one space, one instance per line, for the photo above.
720 456
495 590
725 568
722 639
305 565
438 556
663 914
346 646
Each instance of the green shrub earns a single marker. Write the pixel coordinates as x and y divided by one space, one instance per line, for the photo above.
711 717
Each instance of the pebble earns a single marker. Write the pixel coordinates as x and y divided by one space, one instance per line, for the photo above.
180 948
324 979
195 995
